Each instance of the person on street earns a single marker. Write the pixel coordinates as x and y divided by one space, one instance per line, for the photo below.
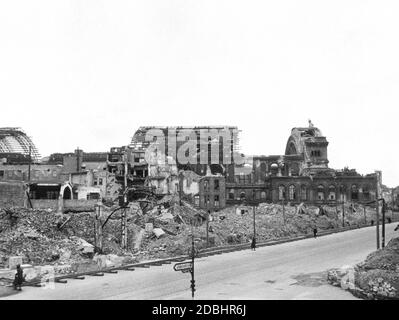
19 278
253 244
315 232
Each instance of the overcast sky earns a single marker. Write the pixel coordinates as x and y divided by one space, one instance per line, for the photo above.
87 74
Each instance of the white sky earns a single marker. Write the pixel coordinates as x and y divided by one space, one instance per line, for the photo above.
89 73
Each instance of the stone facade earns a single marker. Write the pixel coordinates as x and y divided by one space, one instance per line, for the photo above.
301 175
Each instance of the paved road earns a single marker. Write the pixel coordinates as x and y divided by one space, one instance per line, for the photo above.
293 270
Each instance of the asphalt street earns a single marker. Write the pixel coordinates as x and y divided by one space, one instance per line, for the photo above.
295 270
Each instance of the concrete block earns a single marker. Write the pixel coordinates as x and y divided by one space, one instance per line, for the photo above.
158 232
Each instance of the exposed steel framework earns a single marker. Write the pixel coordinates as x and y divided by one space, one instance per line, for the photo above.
15 140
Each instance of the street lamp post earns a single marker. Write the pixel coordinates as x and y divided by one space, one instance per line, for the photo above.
282 201
383 222
377 176
192 268
343 213
365 216
254 211
207 228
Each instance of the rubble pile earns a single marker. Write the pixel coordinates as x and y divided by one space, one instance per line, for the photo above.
376 278
378 275
43 237
167 229
33 235
164 229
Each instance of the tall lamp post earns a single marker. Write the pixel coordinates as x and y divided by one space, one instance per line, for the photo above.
377 180
253 204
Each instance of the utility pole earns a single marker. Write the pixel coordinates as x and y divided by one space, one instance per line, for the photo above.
343 213
377 176
254 221
125 201
365 216
192 261
383 222
207 228
282 201
192 272
393 202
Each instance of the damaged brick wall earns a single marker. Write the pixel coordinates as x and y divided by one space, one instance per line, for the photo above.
12 194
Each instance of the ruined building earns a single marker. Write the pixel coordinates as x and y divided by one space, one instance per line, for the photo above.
154 160
302 174
16 145
202 165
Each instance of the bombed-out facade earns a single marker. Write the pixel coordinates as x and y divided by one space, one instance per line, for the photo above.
202 165
300 175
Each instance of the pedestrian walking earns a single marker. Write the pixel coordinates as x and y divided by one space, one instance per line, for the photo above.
253 244
19 278
315 232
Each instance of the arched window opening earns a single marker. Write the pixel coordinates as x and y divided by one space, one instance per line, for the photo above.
303 193
292 193
281 193
263 195
274 169
320 192
332 193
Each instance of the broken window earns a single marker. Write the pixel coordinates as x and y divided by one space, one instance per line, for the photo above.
263 169
216 201
244 178
100 181
331 193
320 192
354 192
196 200
231 194
216 184
274 168
366 192
281 193
342 190
207 201
1 173
303 193
292 192
206 185
263 195
93 196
